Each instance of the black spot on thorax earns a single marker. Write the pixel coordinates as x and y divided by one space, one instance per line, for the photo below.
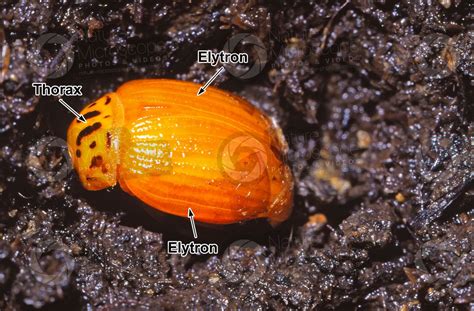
87 131
91 114
96 161
109 140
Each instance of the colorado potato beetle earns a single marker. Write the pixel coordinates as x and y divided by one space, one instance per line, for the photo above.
173 150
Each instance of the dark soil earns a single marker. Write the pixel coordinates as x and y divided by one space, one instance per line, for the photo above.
375 99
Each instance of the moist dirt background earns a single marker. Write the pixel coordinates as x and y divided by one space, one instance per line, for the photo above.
375 99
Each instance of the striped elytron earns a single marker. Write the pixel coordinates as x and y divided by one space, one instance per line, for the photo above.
173 150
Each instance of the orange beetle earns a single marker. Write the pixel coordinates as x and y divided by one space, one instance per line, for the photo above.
214 153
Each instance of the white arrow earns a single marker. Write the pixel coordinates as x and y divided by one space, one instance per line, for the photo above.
193 225
203 88
79 116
